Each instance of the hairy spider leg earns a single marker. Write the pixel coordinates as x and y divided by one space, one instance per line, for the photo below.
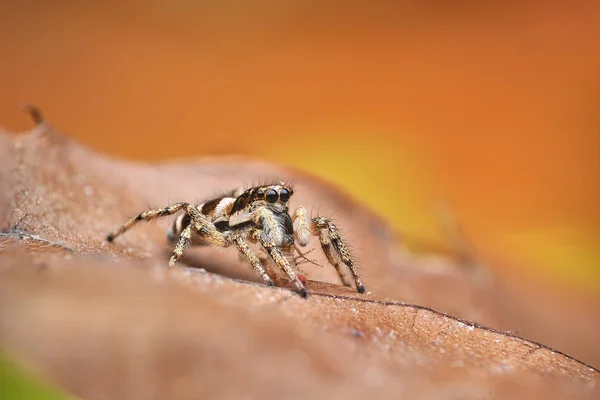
198 222
278 258
147 216
249 255
200 225
335 249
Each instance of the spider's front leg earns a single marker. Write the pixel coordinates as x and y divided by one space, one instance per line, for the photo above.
203 227
335 249
252 258
278 258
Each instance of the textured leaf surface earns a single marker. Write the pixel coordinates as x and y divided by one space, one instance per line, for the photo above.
110 321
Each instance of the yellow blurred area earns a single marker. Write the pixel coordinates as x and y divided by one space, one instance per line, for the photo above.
494 110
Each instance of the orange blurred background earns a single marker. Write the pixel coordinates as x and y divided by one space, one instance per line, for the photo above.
493 110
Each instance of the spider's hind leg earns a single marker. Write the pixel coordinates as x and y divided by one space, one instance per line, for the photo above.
195 223
202 227
147 216
335 249
184 239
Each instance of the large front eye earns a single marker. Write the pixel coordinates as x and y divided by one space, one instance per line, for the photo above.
284 195
271 196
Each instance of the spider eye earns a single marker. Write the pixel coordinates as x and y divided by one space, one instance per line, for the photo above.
260 194
271 196
284 195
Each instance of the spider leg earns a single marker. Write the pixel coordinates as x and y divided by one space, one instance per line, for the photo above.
267 243
147 216
184 238
332 256
203 227
270 227
249 255
335 249
198 224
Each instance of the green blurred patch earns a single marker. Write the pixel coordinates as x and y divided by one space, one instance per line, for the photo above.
17 384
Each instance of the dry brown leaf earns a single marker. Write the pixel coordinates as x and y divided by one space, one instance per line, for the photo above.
109 321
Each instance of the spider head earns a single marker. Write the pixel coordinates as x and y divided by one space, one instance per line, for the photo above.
273 197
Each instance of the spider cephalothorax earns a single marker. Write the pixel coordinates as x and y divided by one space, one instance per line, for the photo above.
256 215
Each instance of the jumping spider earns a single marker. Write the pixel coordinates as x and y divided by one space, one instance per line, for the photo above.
256 215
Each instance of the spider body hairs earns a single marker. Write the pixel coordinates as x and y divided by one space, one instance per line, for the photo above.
258 215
